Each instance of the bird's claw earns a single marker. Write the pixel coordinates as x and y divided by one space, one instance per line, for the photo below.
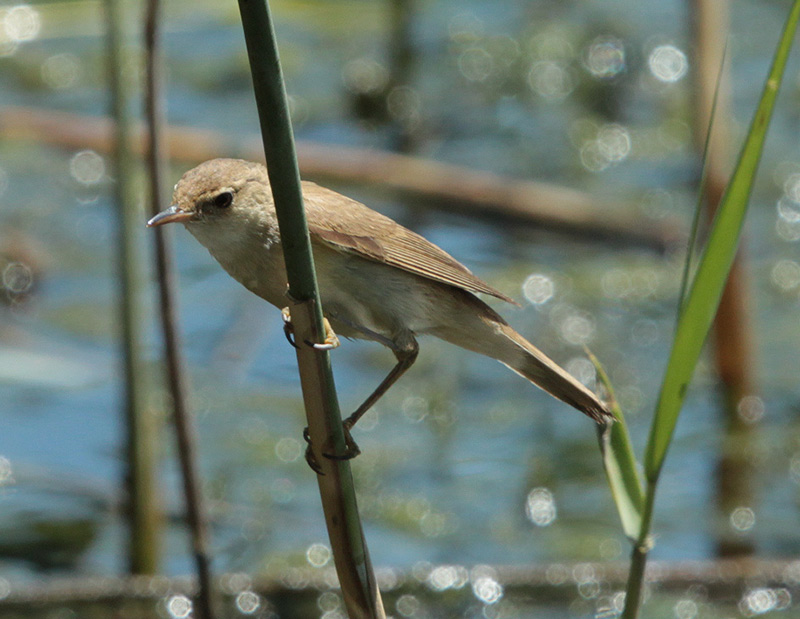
311 459
331 339
288 329
323 346
351 450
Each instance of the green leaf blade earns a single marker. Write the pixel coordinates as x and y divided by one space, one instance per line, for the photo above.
712 271
619 462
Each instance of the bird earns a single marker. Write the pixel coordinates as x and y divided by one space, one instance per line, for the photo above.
377 280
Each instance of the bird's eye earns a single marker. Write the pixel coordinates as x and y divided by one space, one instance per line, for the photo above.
223 200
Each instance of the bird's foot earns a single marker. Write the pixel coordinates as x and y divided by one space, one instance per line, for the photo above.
311 459
330 342
351 449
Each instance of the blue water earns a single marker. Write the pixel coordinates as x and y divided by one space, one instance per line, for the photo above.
452 452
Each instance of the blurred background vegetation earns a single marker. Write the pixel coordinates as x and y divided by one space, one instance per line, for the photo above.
463 462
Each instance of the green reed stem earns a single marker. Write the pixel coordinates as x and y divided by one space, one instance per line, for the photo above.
353 566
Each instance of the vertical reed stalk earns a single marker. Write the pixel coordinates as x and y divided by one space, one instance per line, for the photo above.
185 431
143 506
733 336
401 64
641 548
353 566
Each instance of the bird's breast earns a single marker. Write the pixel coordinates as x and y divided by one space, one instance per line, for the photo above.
373 296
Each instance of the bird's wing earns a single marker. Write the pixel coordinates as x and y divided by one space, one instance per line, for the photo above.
348 226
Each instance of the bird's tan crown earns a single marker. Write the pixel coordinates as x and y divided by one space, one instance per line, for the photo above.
211 177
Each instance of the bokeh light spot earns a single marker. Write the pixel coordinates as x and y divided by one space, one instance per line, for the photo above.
551 79
318 555
751 408
743 519
364 75
329 602
577 328
610 145
556 574
791 187
288 449
407 605
538 289
415 408
448 577
17 278
248 602
614 142
20 23
605 57
685 609
61 71
475 64
487 590
788 230
582 369
179 607
667 63
87 167
540 507
763 600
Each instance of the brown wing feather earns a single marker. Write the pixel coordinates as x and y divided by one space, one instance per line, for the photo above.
347 225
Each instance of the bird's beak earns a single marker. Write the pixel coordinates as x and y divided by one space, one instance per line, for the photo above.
167 216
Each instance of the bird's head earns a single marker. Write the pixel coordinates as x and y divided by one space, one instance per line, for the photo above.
223 203
216 191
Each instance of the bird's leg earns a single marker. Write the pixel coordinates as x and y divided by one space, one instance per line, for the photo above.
406 355
330 342
405 359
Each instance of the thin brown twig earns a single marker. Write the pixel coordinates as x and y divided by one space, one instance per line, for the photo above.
443 185
176 375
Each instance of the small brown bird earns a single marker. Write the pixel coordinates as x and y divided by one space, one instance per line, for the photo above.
378 280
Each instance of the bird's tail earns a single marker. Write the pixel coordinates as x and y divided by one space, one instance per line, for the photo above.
533 364
493 337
